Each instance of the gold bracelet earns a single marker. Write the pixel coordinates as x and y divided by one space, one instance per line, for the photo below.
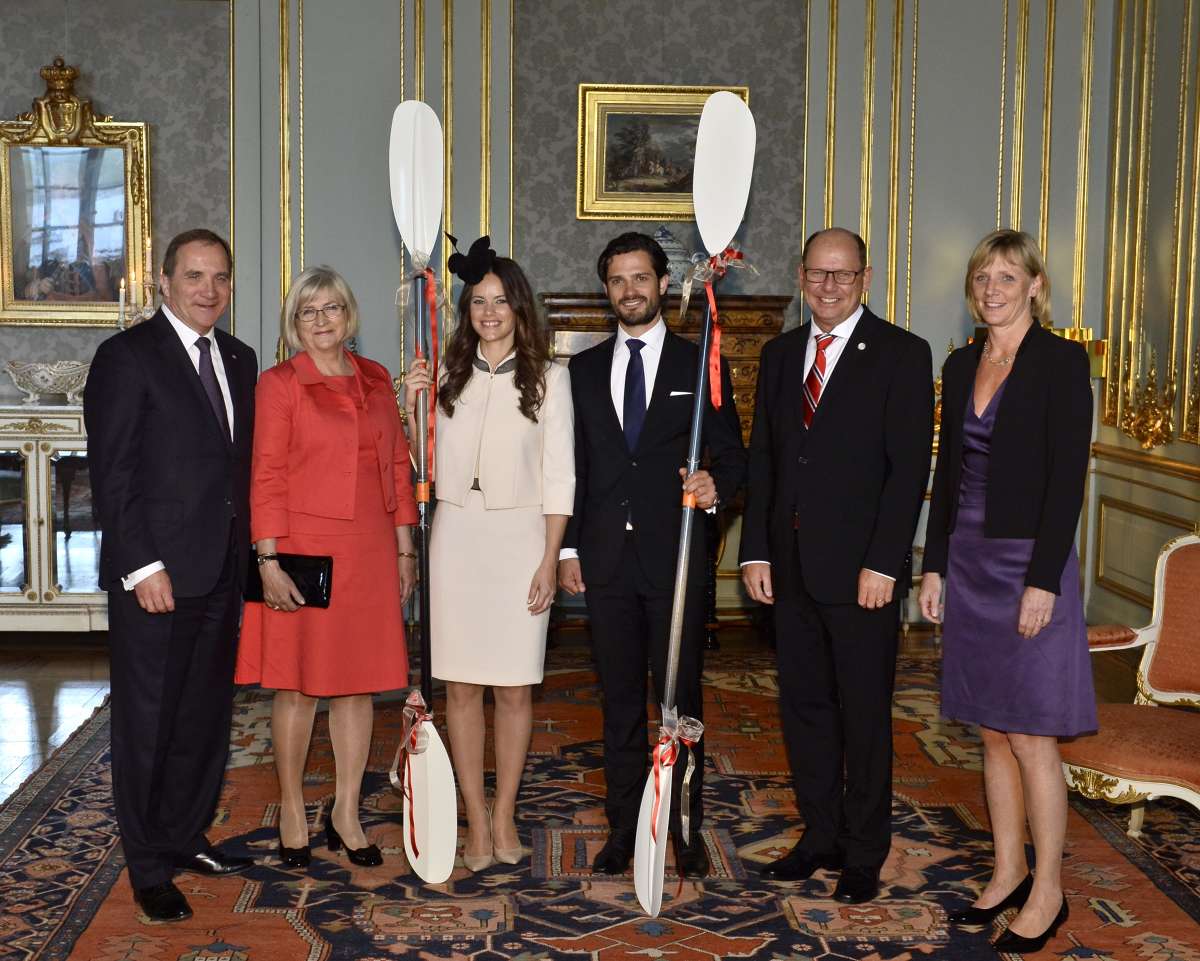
408 554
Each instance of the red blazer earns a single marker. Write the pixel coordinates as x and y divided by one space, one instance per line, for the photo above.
306 446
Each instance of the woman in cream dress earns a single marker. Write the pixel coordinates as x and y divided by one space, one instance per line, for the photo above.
505 486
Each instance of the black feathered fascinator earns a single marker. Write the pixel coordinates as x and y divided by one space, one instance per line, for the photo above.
477 262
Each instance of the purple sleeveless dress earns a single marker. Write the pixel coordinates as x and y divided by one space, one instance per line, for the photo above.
990 674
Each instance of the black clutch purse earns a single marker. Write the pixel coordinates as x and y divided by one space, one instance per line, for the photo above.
312 574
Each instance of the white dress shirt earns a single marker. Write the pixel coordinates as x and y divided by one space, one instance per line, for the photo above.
651 355
842 334
188 338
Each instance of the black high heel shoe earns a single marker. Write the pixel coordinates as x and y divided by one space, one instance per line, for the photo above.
1015 898
368 857
1010 943
294 857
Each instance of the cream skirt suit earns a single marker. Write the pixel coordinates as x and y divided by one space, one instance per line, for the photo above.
488 538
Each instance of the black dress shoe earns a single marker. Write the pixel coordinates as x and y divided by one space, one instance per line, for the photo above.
294 857
212 861
799 865
691 860
1010 943
162 903
616 854
368 857
1014 899
857 885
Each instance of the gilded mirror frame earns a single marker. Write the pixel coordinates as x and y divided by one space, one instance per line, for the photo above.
62 120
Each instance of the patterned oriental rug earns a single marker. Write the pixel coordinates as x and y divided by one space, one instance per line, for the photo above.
63 893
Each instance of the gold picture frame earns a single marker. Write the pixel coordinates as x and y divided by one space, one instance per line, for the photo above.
74 210
636 148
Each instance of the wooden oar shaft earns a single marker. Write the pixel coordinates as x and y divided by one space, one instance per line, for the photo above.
678 603
424 505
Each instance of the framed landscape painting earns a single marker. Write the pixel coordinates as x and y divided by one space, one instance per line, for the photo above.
636 149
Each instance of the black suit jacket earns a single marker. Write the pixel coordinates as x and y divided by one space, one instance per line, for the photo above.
166 480
613 483
1039 452
856 477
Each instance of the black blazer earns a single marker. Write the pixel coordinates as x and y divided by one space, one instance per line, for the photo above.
847 491
166 480
612 482
1039 452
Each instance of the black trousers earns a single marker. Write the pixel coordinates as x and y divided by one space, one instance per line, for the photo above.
630 622
837 671
172 701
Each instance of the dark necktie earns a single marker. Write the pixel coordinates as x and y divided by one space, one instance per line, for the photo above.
208 377
634 412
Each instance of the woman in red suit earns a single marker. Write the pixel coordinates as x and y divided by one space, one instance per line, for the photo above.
330 476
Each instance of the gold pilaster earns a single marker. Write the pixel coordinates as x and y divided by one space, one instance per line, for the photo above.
485 117
1018 137
448 130
893 215
1082 158
1047 105
300 119
1003 116
1177 213
830 110
868 128
912 167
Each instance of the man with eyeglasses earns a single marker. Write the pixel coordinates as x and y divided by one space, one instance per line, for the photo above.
839 456
169 408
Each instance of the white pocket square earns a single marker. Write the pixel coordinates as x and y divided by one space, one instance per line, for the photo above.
681 393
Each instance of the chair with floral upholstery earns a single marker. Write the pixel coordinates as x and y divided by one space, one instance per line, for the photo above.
1150 748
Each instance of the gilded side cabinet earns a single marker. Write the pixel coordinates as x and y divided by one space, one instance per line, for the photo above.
49 537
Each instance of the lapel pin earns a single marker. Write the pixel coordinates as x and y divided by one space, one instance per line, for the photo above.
861 345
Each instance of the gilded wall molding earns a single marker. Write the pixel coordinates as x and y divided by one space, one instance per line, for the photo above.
485 116
1082 160
893 212
912 166
831 57
1017 174
1003 117
868 127
1047 107
1109 503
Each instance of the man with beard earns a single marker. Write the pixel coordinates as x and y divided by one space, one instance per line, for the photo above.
633 403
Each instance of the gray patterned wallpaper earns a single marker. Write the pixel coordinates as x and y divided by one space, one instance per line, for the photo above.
166 63
756 43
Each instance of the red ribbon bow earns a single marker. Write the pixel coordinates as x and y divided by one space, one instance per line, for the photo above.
717 265
665 753
431 440
411 742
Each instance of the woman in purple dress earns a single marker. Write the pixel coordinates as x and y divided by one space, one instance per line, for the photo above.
1016 428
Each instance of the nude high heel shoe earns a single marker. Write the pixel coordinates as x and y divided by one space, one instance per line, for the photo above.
478 862
505 855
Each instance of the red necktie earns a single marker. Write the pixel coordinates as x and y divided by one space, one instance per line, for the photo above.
815 381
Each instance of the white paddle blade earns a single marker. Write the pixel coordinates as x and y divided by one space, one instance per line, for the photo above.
650 852
724 168
432 813
415 166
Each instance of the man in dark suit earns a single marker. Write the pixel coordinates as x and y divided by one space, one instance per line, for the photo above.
839 456
633 403
169 408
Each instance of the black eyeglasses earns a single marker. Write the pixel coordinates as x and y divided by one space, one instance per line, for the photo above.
817 275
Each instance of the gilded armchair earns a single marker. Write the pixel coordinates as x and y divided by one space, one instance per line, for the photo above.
1150 748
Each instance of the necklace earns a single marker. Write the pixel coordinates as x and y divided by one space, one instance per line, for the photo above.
987 355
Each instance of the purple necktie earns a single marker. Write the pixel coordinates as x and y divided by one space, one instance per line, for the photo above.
208 377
